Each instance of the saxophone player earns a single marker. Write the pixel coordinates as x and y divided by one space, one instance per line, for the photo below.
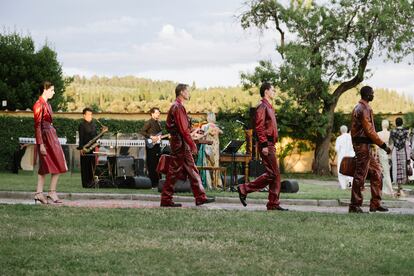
87 132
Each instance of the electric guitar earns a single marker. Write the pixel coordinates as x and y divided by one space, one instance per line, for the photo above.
150 144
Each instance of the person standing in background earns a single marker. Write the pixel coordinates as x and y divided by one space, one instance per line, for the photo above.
384 159
152 131
343 147
400 156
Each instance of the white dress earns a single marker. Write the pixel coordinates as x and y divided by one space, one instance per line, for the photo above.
343 147
385 163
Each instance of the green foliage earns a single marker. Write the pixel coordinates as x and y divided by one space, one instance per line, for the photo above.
64 128
199 241
23 69
330 44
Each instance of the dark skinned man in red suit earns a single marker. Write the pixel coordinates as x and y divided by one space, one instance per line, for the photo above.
182 149
266 131
363 135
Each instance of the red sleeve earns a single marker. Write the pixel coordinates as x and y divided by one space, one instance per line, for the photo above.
260 125
37 114
369 128
183 127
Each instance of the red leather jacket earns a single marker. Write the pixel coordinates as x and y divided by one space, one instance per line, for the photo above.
178 124
42 113
265 123
362 127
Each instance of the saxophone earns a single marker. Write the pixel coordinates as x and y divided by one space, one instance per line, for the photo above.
93 143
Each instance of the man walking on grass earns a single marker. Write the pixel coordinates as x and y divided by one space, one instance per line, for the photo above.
363 135
267 134
182 149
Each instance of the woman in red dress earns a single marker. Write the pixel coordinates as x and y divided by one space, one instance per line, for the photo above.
51 157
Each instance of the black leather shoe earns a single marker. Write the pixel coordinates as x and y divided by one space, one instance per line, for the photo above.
172 204
379 209
242 197
208 200
355 210
277 208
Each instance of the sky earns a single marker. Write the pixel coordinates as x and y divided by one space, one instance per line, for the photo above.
178 40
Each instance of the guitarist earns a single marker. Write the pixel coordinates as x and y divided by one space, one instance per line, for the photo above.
152 132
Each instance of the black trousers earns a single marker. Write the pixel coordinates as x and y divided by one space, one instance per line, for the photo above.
153 157
88 163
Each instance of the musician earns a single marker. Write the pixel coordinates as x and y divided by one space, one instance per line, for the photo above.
267 134
87 131
182 149
363 135
152 130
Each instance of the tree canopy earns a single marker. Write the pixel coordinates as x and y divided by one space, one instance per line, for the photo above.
23 69
326 45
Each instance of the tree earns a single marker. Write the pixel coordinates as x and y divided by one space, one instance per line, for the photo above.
325 46
23 70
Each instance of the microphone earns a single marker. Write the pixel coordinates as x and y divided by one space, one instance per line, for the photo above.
243 124
240 122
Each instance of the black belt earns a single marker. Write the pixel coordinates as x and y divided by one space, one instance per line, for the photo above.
361 140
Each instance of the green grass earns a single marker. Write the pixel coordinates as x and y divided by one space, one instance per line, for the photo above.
41 240
71 183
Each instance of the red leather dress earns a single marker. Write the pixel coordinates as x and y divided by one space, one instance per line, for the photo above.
182 164
267 134
54 161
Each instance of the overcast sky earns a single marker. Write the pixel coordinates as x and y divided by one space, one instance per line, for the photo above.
179 40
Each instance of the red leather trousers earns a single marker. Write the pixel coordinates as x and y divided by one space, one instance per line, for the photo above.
366 164
182 166
271 177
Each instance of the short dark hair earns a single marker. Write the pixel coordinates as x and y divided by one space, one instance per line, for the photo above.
86 109
44 86
265 86
399 121
365 91
152 110
180 87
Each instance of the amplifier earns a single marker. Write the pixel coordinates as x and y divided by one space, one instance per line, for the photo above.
122 166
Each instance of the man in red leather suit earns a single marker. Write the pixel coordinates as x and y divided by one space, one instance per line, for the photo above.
363 135
182 149
267 134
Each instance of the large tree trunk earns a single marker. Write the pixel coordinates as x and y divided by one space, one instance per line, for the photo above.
321 164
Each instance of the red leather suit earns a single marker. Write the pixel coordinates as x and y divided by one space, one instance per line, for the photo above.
363 135
54 161
266 130
182 165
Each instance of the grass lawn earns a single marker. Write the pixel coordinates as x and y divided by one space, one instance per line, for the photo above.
26 181
40 240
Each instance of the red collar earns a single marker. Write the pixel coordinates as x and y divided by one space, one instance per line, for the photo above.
266 102
364 102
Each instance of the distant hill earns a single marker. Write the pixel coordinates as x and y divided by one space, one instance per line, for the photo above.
132 94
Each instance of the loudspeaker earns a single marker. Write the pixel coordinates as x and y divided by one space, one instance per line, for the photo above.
104 183
180 186
122 165
136 182
289 186
256 168
139 165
